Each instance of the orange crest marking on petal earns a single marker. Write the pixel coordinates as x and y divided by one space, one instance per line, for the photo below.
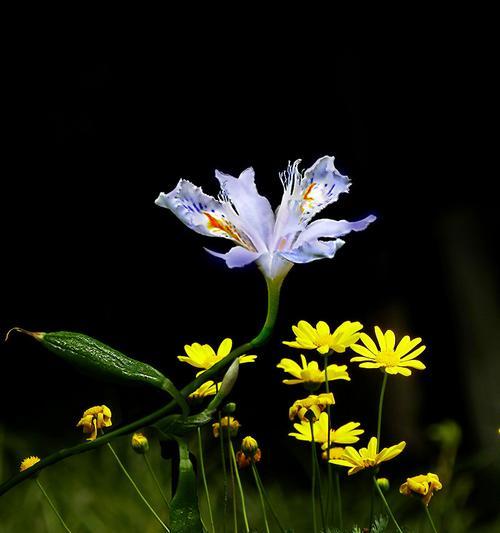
226 227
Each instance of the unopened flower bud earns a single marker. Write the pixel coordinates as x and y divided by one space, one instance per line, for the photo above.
383 483
229 408
249 446
140 443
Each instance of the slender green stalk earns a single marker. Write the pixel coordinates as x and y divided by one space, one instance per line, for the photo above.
329 489
240 488
63 523
157 483
204 478
389 512
268 501
233 490
316 466
224 471
313 487
132 482
273 292
261 496
380 408
429 517
339 499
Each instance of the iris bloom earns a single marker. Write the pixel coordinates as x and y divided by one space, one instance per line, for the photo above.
391 359
319 338
424 485
28 462
204 356
367 457
346 434
315 403
95 418
274 240
309 373
209 388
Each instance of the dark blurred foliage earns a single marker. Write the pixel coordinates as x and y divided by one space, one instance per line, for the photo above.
99 130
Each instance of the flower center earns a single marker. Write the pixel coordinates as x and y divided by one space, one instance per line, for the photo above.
388 358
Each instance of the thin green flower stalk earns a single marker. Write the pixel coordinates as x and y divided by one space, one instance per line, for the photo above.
313 486
380 408
240 488
133 483
268 501
329 490
224 472
429 518
156 481
204 478
318 473
53 507
233 488
389 511
339 499
261 497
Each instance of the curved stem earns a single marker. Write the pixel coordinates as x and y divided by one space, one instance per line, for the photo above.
63 523
389 512
261 496
273 287
157 483
380 408
240 488
204 478
429 517
137 489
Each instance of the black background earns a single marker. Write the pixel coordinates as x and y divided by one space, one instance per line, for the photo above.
99 131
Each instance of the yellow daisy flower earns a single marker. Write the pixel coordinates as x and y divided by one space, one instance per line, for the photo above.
309 338
310 374
423 485
346 434
204 356
28 462
209 388
367 457
391 359
336 452
315 403
95 418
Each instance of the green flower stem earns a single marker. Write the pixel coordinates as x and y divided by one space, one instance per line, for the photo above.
313 487
268 501
240 488
261 496
380 408
155 479
329 490
316 467
273 288
63 523
389 512
224 470
132 482
204 478
233 488
339 499
429 517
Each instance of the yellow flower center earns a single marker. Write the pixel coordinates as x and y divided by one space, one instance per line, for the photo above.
388 359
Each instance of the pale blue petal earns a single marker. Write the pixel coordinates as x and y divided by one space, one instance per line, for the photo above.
204 214
236 257
253 209
313 250
329 229
321 185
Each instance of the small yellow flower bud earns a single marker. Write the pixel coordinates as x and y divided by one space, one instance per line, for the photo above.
28 462
383 483
227 422
140 443
95 418
249 446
